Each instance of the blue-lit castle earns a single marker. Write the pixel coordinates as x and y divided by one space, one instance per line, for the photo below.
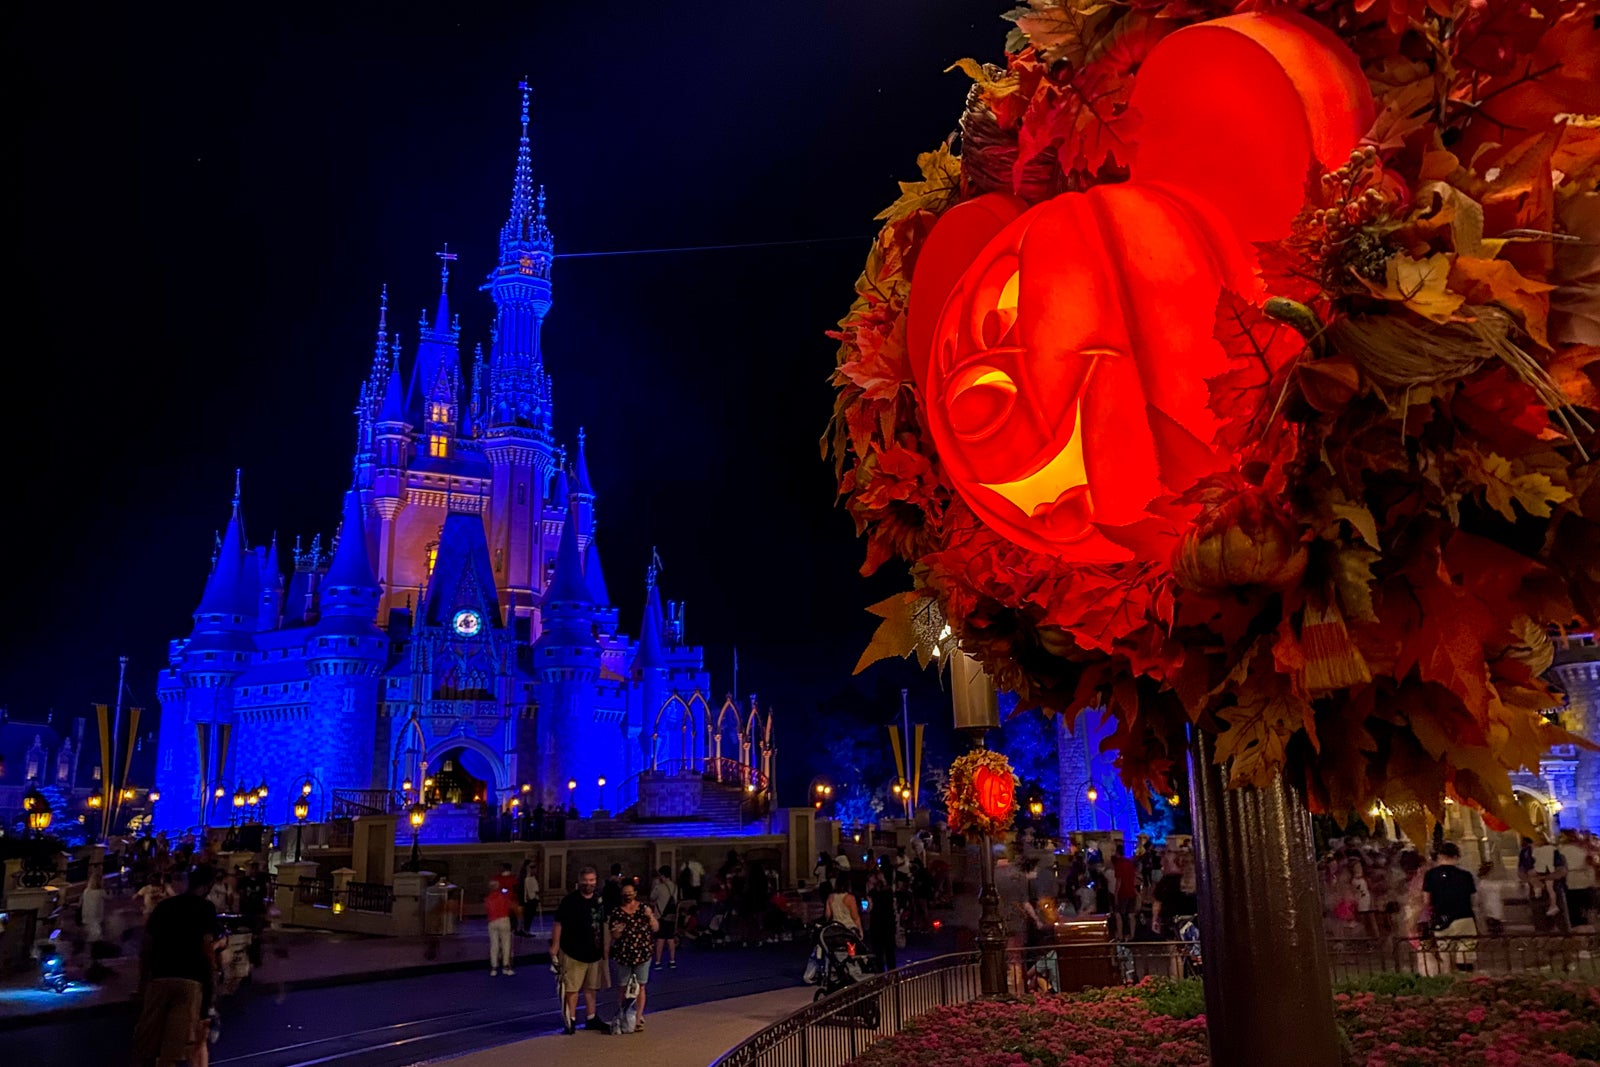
459 622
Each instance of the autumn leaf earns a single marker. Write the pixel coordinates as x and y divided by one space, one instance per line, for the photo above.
1057 29
1495 281
896 634
1267 714
1534 491
1257 347
1404 110
1420 284
1444 206
1359 518
940 184
1575 370
1447 645
1352 579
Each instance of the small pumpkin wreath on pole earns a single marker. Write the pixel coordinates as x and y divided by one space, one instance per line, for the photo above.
982 795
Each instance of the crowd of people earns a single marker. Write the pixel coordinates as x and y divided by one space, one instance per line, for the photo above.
1376 888
883 897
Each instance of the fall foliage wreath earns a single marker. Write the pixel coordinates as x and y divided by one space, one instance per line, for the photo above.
982 794
1366 595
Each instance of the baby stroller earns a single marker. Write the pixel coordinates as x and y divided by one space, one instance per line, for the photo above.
837 961
1189 935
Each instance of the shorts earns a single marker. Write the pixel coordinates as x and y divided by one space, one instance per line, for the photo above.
667 931
624 971
169 1020
578 975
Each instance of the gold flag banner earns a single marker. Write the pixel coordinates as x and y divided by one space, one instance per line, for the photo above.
916 765
899 755
127 755
103 715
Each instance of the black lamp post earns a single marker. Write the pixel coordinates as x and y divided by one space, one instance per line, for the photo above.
418 812
302 808
35 871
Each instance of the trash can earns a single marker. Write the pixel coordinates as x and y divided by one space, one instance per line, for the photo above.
438 914
1085 956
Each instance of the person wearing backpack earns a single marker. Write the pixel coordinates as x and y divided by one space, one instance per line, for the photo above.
664 899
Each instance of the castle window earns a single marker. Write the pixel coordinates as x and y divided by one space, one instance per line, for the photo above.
522 493
433 557
439 412
437 446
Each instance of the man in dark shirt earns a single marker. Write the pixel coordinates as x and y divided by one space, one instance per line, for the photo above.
177 966
1449 890
578 948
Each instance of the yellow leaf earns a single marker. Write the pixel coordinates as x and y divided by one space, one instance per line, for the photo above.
941 181
1259 727
1352 577
896 634
1420 285
1360 520
1445 205
1495 280
1501 486
1002 86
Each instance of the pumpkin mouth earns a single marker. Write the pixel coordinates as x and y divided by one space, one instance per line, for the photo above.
1057 493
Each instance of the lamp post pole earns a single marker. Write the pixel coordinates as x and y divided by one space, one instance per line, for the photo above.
976 708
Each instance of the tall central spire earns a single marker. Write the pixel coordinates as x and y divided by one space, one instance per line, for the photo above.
520 286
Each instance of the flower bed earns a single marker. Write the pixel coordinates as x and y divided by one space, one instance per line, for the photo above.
1396 1021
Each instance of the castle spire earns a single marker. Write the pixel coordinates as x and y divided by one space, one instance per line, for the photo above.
580 470
226 590
380 350
441 319
567 584
650 655
522 197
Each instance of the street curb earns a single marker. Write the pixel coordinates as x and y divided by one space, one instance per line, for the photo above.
267 988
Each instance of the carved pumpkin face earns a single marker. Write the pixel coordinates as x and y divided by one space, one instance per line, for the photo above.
996 792
1062 350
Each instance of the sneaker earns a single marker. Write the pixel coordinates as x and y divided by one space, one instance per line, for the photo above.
509 972
674 963
493 973
594 1022
569 1027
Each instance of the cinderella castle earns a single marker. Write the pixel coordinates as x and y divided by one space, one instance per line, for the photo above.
459 624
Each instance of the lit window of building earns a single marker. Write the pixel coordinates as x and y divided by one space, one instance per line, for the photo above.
436 445
433 557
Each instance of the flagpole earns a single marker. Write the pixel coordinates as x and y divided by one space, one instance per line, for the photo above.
110 771
905 727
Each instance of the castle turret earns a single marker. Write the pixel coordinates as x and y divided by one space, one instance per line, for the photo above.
196 690
644 728
438 370
583 492
392 433
346 653
566 661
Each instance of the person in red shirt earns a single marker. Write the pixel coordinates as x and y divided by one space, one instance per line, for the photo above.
1125 902
498 906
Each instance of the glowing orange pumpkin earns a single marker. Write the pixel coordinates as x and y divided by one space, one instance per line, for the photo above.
1062 350
996 792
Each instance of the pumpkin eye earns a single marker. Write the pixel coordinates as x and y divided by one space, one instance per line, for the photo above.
981 398
994 303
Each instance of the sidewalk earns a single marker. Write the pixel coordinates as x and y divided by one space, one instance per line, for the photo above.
678 1037
291 959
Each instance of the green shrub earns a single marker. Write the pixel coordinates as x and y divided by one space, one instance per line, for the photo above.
1398 985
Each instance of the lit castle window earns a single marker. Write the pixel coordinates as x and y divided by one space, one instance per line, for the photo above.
439 413
437 445
433 557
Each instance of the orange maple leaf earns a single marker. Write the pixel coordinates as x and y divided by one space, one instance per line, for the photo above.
1495 281
1259 347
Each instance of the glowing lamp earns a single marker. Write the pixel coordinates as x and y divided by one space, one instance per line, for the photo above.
427 783
238 797
516 802
417 813
526 788
1035 808
154 795
1093 794
338 907
1174 800
95 801
405 786
601 781
749 787
261 790
127 794
995 791
1061 351
219 793
817 804
305 788
302 808
39 819
572 783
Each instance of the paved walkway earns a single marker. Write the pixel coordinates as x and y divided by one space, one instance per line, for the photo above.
679 1037
291 959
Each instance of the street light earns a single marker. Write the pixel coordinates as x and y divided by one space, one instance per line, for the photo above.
600 793
261 790
302 808
38 809
418 812
1036 808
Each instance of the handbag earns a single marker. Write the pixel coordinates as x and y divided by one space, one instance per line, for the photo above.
631 990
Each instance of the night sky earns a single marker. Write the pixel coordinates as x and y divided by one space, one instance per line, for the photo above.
209 206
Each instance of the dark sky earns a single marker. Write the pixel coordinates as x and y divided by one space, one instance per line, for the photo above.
212 195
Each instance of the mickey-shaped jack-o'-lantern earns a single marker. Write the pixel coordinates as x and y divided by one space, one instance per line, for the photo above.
1062 350
996 792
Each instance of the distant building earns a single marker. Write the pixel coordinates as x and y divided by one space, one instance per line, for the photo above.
461 620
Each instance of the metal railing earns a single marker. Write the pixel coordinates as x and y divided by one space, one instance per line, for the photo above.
350 803
835 1029
1574 955
314 892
